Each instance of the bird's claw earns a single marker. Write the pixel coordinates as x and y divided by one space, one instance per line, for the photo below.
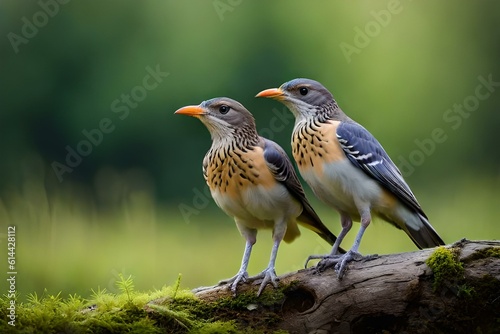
235 280
341 266
322 257
339 262
267 276
329 261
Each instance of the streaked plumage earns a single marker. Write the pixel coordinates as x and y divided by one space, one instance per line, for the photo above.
348 169
253 181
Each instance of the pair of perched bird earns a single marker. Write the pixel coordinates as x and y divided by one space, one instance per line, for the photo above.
252 179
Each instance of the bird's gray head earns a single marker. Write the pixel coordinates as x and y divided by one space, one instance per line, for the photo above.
224 117
305 98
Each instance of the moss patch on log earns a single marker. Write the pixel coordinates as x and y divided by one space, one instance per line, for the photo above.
475 300
446 266
173 310
485 253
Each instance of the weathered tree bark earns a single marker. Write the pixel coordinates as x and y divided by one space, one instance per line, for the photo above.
391 294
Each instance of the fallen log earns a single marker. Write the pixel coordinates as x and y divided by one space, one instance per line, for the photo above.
449 289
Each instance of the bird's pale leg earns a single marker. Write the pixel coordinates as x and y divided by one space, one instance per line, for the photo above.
242 275
346 224
269 274
341 261
353 254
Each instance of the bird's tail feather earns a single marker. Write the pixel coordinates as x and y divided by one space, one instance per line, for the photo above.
424 236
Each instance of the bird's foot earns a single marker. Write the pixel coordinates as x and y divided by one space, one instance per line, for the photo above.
339 262
241 276
342 262
321 257
264 278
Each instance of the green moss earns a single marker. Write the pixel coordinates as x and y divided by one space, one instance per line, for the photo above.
485 253
268 298
477 308
174 310
465 291
445 266
234 311
217 327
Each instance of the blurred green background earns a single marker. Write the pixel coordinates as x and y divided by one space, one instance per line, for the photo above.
135 202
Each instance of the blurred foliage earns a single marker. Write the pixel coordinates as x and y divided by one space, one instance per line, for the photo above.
65 78
119 207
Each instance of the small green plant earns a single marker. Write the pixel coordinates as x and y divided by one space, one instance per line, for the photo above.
466 291
177 285
126 285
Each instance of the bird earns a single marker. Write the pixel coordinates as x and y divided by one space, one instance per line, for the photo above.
252 180
349 170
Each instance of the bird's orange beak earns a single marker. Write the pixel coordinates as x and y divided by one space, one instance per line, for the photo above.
274 93
194 111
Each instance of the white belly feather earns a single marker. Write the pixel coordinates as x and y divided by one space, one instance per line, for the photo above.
259 207
343 186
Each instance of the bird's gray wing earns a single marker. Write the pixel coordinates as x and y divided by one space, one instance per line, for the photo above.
366 153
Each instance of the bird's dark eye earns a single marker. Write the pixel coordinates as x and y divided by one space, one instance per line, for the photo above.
224 109
303 91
